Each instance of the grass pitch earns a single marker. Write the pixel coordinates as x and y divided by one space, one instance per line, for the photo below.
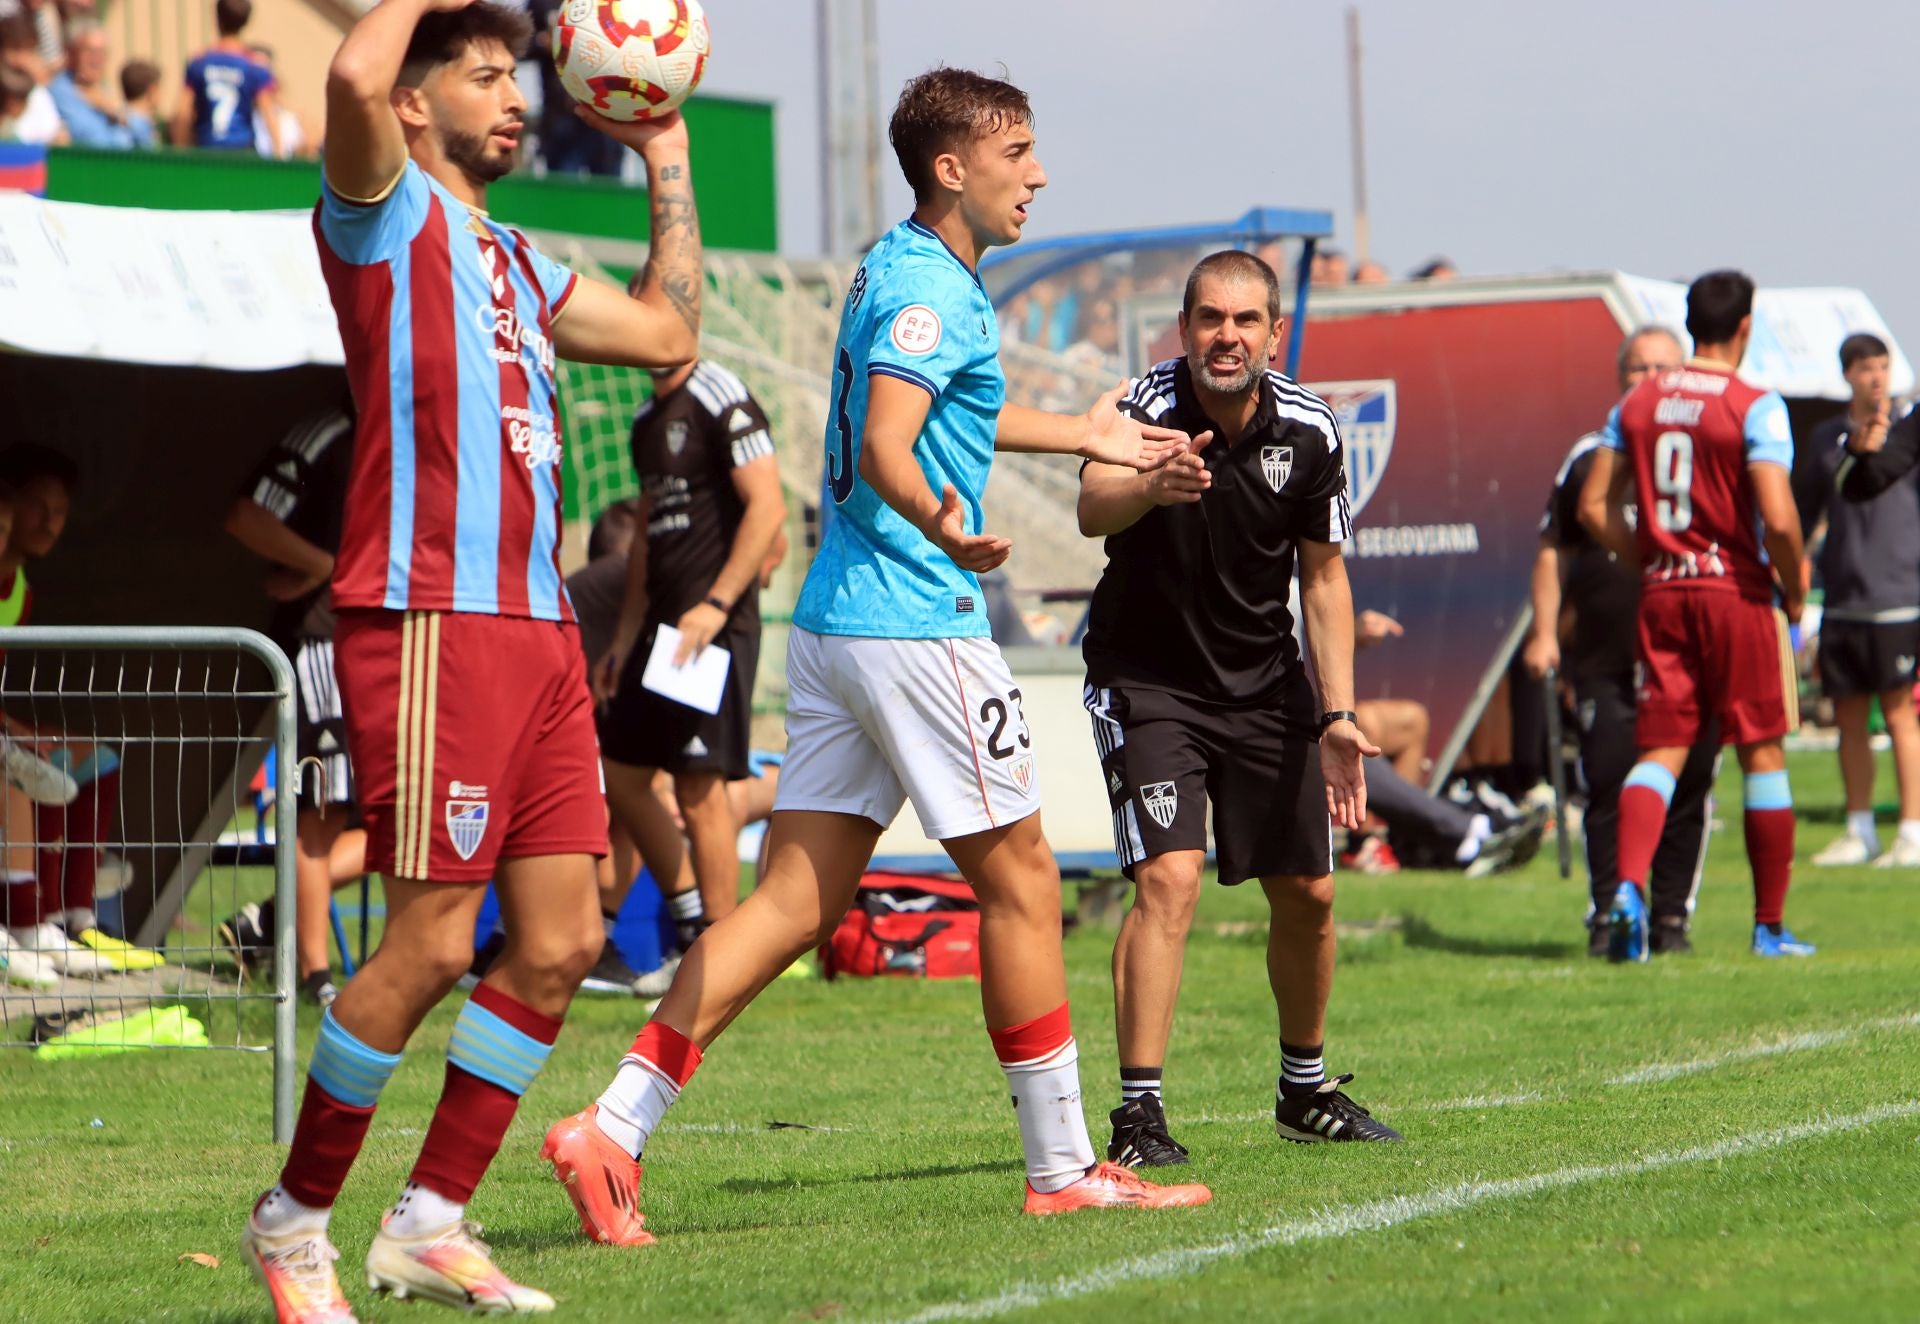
1704 1137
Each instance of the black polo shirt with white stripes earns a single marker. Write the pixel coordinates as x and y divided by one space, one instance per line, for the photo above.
686 445
1194 597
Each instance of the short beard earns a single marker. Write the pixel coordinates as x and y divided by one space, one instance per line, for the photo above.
468 151
1235 385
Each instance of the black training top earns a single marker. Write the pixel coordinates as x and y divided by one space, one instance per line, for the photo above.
1194 597
686 445
302 482
1604 594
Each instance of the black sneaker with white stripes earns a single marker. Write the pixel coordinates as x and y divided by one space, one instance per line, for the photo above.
1327 1114
1140 1138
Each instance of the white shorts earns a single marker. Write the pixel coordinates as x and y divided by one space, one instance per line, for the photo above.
871 722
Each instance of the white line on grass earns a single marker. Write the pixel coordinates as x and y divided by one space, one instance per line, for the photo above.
1793 1043
1377 1215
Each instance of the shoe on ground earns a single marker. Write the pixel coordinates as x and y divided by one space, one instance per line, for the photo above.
24 968
655 983
318 988
451 1266
1846 849
1327 1114
1110 1186
1511 846
296 1268
119 954
1372 855
1140 1138
601 1179
1903 854
41 781
1599 934
1669 937
248 934
1627 921
60 951
1768 943
610 974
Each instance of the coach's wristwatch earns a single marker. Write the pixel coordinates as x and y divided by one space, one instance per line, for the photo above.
726 607
1338 715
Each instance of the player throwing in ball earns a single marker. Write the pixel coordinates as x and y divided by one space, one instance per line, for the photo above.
896 688
469 723
1708 456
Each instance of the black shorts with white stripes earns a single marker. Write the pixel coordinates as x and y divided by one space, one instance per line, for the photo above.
1164 758
320 729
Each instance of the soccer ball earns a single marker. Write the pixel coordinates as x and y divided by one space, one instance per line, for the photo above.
630 59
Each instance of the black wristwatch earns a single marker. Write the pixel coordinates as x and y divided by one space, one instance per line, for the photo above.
1338 715
726 607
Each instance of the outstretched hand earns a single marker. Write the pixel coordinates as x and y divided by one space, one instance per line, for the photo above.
1114 437
1343 747
1184 479
978 552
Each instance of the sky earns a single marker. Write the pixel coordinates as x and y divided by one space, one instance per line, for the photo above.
1662 140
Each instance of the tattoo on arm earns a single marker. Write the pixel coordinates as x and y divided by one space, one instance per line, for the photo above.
674 257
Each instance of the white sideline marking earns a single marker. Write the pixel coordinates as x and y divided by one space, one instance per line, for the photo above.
1793 1043
1377 1215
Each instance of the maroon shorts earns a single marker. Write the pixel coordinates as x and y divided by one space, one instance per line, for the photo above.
471 739
1711 653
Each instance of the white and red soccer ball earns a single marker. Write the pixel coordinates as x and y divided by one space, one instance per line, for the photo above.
630 59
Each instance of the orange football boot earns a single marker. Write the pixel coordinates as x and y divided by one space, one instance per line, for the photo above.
602 1180
1111 1186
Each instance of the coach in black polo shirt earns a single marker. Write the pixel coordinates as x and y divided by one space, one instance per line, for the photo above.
1198 693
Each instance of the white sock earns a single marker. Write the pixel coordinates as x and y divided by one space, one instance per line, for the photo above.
633 1105
421 1211
79 921
1860 823
279 1212
1910 830
1053 1130
1477 834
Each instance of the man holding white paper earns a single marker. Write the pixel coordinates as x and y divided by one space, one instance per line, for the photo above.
678 681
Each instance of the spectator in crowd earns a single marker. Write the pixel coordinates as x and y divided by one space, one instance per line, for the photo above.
38 119
293 133
53 913
139 88
1585 605
45 21
15 89
1330 267
1869 564
1436 268
1098 341
568 145
289 514
92 116
1371 273
711 510
228 92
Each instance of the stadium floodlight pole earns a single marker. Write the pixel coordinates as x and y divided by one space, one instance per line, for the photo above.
1357 133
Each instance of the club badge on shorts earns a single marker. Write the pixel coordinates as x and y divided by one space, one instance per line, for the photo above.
1023 773
1161 799
1276 462
466 817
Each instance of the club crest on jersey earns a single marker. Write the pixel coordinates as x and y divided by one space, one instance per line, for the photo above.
1023 773
1365 411
466 817
1276 462
676 436
916 330
1161 799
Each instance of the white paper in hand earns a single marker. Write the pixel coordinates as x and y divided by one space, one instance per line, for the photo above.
699 684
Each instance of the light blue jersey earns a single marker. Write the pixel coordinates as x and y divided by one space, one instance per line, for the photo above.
916 313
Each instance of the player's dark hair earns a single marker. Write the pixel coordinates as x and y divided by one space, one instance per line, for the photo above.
444 36
615 528
137 78
1716 305
1861 345
1233 264
230 16
945 110
26 461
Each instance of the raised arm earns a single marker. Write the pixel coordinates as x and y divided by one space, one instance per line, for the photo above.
365 148
1113 497
1326 605
1877 458
657 323
1103 433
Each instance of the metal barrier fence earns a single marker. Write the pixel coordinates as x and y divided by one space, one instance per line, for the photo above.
128 754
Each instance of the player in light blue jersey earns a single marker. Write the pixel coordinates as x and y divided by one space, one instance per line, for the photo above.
896 689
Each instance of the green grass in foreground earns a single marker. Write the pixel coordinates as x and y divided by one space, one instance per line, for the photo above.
1470 1015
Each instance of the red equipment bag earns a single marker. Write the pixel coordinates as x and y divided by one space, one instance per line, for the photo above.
914 925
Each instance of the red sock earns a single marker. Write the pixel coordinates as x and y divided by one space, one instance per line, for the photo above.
1770 853
474 1113
23 902
1032 1040
89 823
668 1052
325 1143
1643 816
